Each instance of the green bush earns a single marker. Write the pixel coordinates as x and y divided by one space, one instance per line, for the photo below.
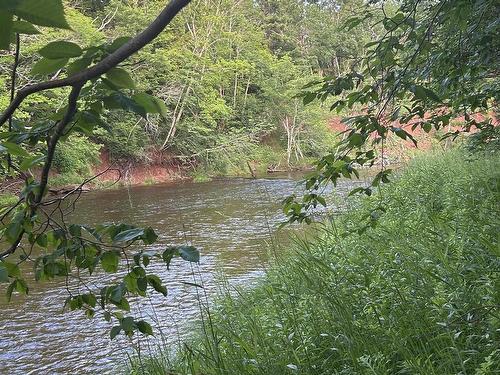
125 140
76 155
416 293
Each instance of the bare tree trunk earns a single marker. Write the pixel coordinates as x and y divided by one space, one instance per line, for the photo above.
235 89
246 93
337 65
176 116
289 133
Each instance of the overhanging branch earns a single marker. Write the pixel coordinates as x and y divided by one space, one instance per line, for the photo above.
109 62
77 81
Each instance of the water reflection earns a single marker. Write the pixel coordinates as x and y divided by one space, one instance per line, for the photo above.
230 221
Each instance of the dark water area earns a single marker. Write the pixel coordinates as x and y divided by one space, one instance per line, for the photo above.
231 221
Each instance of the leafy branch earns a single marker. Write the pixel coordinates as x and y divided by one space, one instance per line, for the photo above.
408 80
76 246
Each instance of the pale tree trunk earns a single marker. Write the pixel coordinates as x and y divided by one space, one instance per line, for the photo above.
176 116
293 129
199 51
235 89
288 128
246 93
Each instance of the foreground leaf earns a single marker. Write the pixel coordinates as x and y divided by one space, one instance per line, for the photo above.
46 66
44 13
60 49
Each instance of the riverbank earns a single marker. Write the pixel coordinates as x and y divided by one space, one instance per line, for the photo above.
102 171
159 167
416 292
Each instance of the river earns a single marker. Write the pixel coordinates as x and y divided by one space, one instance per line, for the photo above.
231 221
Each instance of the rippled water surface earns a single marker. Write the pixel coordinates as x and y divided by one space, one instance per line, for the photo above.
230 221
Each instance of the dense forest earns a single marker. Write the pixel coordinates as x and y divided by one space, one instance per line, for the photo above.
225 74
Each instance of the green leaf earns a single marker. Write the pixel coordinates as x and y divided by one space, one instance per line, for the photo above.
13 149
21 286
151 104
89 299
24 27
30 162
155 282
321 200
168 254
431 94
355 139
356 191
6 19
117 43
420 92
308 98
130 283
149 236
400 133
127 324
123 305
13 231
117 293
119 101
8 4
128 235
115 331
138 272
60 49
10 289
107 316
4 273
46 66
78 65
42 240
144 327
44 13
109 261
142 284
189 253
120 78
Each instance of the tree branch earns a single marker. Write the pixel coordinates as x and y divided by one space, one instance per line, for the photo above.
124 52
51 148
58 132
13 88
77 81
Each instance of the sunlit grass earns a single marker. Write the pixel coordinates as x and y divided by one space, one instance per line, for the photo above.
419 293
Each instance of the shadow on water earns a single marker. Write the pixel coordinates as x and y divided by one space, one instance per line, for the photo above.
231 221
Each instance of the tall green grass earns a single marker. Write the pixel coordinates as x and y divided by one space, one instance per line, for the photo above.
418 293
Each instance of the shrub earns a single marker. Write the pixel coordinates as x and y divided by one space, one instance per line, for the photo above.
125 140
76 155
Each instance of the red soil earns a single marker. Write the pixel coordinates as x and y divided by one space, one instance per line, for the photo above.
159 168
397 148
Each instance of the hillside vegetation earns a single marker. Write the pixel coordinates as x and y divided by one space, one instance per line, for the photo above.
225 72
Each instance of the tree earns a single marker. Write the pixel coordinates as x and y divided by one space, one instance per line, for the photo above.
435 62
92 83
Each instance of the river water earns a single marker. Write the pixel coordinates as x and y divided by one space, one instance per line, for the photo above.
231 221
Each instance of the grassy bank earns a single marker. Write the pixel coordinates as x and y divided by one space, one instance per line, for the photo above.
417 294
7 199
